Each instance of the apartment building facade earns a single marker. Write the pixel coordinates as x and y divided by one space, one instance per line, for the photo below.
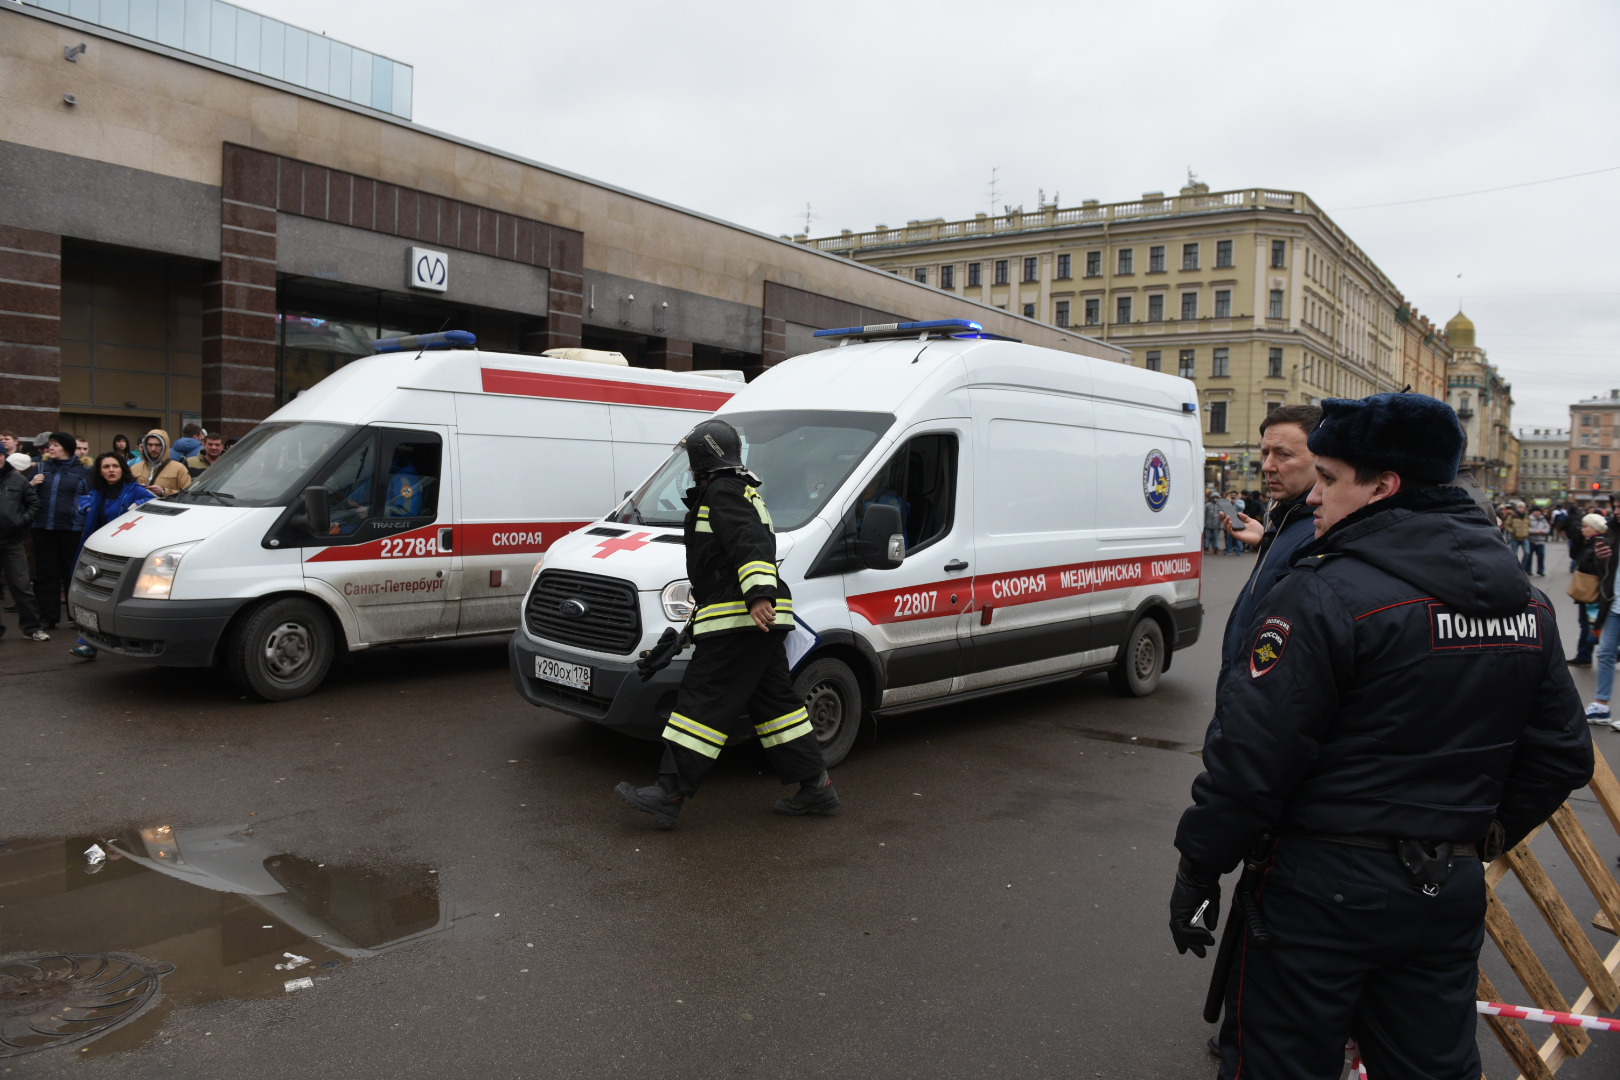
1594 448
1254 294
1544 464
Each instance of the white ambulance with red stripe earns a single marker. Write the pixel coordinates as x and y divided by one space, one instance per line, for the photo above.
403 498
956 514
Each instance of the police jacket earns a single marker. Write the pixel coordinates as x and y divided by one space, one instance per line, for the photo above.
59 495
731 557
1404 681
19 502
1290 526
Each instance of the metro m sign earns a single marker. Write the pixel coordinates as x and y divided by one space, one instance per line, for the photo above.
427 269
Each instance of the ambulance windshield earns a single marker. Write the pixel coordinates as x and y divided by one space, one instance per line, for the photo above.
266 467
802 457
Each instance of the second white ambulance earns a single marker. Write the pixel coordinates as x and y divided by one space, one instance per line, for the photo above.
956 514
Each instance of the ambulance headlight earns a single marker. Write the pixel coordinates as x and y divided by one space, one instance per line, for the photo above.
677 600
157 572
539 564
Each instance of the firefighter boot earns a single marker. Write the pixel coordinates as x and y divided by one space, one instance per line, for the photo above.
653 799
817 796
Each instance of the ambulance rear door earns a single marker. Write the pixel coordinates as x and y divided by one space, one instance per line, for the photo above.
384 552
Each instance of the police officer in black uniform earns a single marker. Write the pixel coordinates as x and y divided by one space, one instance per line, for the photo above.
743 615
1402 713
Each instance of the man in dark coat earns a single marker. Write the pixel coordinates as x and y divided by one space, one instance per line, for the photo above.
19 505
1289 469
1403 713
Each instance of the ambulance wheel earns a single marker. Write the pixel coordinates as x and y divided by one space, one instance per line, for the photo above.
282 650
832 697
1141 661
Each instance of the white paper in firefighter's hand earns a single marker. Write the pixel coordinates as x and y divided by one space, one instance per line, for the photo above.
799 643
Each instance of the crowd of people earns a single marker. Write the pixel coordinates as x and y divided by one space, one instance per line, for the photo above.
54 494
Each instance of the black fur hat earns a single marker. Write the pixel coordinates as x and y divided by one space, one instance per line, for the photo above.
1414 435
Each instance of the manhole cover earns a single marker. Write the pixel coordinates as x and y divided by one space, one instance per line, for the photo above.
50 1001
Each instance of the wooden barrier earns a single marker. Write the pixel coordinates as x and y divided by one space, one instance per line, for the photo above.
1600 989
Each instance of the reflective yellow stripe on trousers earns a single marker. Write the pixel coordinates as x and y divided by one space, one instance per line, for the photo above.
684 731
783 728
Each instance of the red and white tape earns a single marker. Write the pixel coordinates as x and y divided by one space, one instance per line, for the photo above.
1548 1016
1517 1012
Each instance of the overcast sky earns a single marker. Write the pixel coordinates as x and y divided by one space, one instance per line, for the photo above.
887 110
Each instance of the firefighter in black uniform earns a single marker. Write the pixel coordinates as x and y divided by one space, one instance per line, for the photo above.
1403 712
743 615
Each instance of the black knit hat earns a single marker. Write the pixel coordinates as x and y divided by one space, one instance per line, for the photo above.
1414 435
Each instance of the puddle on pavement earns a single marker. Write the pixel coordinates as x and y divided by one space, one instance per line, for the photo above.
220 908
1136 740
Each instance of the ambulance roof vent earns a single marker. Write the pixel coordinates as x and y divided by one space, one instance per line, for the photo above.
964 328
449 339
590 356
728 374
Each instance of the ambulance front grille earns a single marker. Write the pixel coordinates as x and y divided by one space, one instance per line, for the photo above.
612 619
99 575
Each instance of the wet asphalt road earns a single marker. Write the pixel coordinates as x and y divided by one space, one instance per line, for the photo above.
991 902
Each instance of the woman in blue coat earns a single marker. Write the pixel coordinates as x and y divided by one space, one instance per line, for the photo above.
113 492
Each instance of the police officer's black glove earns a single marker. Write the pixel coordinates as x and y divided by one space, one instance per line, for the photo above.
658 657
1193 888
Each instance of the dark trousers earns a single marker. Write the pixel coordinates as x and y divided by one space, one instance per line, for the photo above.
1356 950
1585 639
55 551
14 568
730 676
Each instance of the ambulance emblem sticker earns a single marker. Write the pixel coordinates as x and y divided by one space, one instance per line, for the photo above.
1269 644
1156 480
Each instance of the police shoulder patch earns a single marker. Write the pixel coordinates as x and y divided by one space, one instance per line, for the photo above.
1269 645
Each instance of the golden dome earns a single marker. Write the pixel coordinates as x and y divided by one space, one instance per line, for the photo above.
1460 331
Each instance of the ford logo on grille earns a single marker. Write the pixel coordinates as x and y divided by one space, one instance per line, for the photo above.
574 609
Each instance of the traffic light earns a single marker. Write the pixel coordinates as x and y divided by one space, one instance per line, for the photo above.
1596 487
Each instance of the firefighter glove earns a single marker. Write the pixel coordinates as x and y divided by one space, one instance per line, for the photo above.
1195 908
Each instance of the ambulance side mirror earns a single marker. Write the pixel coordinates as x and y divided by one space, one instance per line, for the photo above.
316 511
881 543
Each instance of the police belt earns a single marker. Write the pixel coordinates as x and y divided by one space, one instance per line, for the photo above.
1465 848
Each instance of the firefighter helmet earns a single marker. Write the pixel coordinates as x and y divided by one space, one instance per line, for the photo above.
713 446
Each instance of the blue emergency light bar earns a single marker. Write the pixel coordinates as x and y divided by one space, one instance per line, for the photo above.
943 327
450 339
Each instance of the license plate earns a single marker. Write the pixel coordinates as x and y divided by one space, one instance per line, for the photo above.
87 619
577 676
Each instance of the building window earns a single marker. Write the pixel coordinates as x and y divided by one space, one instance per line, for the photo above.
1122 309
1217 418
1032 269
1223 303
1029 311
1274 365
1274 308
1154 362
1279 254
1001 271
1586 462
1093 311
1064 263
1093 264
1603 463
1186 366
1189 305
974 279
1156 307
920 275
1062 313
1586 419
947 277
1189 256
1586 440
1156 259
1223 253
1127 260
1220 364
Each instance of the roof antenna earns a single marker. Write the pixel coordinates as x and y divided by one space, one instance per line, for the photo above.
993 170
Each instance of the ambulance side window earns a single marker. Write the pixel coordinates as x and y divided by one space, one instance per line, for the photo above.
919 481
388 476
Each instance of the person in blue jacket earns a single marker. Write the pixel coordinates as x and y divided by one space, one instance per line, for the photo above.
59 482
113 492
